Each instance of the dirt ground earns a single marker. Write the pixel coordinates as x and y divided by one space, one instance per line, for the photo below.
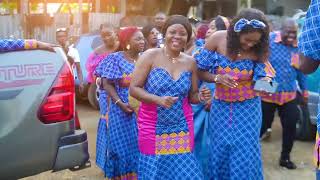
301 155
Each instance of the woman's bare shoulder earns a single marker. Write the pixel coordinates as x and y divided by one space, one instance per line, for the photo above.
149 55
189 60
215 39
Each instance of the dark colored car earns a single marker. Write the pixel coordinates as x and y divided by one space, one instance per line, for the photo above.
306 126
37 107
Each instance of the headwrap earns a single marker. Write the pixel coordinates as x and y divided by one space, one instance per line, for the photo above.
242 23
202 30
125 34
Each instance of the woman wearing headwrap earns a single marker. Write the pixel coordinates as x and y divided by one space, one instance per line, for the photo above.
110 44
150 34
165 81
116 70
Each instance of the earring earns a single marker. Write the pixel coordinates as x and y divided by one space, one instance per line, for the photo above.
128 47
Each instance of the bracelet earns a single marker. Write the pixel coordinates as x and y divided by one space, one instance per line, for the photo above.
216 78
117 101
30 44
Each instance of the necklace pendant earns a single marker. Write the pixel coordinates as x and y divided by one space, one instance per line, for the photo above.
174 61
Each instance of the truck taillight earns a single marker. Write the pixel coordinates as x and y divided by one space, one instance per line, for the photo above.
59 103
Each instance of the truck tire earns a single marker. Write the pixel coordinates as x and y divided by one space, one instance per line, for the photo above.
93 96
305 130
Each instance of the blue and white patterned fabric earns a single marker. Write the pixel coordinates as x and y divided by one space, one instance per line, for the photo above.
235 121
281 58
234 148
201 118
285 60
11 44
309 45
166 164
102 138
173 167
242 23
309 40
122 133
102 130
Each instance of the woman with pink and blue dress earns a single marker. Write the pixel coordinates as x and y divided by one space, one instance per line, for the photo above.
165 81
116 72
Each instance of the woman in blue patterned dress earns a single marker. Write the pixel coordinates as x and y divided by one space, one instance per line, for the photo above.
236 57
165 81
202 111
122 147
110 45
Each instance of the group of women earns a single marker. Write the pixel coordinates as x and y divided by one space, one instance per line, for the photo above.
157 140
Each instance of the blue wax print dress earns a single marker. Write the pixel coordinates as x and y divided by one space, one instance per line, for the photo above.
122 132
201 118
101 145
166 136
235 118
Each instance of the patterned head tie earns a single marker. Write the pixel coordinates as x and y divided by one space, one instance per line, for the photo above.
238 27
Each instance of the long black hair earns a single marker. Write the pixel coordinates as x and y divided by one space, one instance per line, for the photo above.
220 23
233 38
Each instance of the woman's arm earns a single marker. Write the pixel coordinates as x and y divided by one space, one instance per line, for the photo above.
195 96
194 91
139 77
308 65
109 86
206 76
207 58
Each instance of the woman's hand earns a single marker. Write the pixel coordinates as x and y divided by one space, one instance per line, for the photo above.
207 107
167 101
126 107
205 94
226 80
